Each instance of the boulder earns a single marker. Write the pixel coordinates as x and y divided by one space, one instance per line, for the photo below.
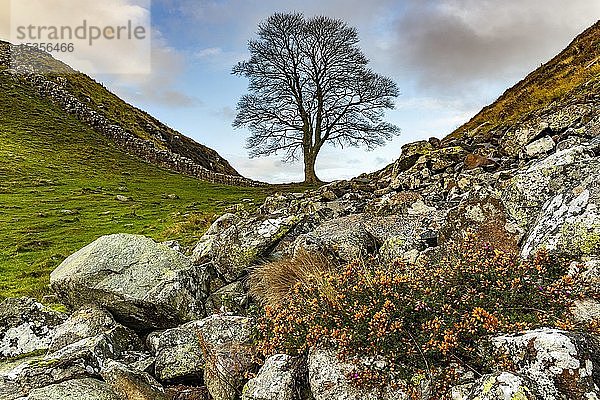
276 380
202 249
145 285
178 353
238 247
81 359
75 389
90 321
344 238
26 326
540 147
232 298
560 363
227 344
328 380
569 223
525 194
130 384
484 215
502 386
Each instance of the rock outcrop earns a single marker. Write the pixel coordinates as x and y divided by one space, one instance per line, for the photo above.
145 284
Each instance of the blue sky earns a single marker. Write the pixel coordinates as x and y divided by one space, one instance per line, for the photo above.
448 57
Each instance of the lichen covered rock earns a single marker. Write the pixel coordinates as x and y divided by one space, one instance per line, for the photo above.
329 381
561 364
26 326
276 380
502 386
75 389
130 384
143 284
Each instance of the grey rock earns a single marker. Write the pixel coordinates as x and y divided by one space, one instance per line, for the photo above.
26 326
204 246
80 359
241 245
560 363
178 353
276 380
526 193
540 147
90 321
75 389
143 284
227 343
130 384
232 298
328 380
569 223
502 386
345 238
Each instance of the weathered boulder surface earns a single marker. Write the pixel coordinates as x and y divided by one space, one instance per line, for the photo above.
91 321
130 384
75 389
227 344
344 238
276 380
502 386
234 249
83 358
526 193
328 380
143 284
562 365
178 353
569 223
26 326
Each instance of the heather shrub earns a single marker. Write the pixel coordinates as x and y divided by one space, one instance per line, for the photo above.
419 320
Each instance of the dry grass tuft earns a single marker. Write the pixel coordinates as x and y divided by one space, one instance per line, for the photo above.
272 283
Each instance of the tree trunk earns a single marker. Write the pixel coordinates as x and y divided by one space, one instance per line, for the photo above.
310 177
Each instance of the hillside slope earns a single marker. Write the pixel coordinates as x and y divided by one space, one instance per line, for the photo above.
59 182
130 128
568 81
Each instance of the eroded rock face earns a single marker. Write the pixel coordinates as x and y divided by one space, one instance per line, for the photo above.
143 284
328 380
560 364
75 389
527 192
276 380
26 326
345 238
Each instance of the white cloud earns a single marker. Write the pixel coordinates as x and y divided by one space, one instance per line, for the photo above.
109 36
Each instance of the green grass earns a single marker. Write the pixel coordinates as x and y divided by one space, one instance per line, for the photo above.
58 186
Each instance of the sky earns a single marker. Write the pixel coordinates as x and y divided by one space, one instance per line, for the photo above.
448 57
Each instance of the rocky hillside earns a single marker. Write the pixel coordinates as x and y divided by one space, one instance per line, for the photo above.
128 127
517 318
553 98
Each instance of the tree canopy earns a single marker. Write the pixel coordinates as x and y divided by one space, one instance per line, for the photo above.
309 84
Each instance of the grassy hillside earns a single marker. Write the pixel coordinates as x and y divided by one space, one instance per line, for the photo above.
119 112
569 76
59 182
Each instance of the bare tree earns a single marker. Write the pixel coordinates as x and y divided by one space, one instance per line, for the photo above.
310 85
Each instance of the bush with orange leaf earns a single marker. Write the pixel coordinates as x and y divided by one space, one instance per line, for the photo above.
421 320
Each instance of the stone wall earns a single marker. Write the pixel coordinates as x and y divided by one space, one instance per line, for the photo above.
145 149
